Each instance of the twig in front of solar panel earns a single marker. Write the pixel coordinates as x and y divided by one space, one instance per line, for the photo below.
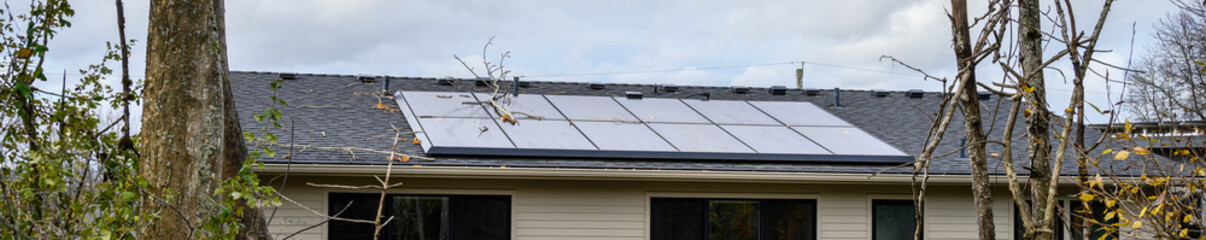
495 73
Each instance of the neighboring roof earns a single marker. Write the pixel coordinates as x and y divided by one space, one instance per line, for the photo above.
335 119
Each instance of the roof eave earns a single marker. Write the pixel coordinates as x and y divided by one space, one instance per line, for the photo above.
619 174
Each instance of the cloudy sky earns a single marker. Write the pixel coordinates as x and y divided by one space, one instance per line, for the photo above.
750 43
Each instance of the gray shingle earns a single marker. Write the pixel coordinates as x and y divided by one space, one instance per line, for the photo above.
332 114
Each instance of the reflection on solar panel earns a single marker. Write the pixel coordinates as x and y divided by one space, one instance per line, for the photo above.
607 127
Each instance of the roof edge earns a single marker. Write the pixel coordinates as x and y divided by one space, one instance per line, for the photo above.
622 174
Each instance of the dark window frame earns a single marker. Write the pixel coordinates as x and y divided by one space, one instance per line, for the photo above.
388 230
762 212
874 213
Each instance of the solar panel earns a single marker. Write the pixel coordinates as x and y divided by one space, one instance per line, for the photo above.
699 138
464 132
731 112
774 139
848 141
621 136
605 127
590 108
525 106
799 113
662 110
546 134
443 104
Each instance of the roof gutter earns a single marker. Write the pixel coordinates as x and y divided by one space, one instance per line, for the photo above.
620 174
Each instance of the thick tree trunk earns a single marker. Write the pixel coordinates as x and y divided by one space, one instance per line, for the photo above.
191 137
1038 122
970 106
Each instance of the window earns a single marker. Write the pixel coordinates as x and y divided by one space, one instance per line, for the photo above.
429 217
740 219
893 219
1080 216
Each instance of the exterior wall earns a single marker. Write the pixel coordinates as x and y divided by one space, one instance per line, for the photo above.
618 210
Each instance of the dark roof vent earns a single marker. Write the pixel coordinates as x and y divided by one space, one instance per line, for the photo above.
596 86
367 78
634 95
984 95
741 89
288 76
880 93
669 88
446 81
915 93
778 90
812 91
482 82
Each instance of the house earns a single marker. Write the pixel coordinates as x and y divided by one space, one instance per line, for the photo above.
458 185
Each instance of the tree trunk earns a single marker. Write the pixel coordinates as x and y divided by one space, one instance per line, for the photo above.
191 137
970 106
1039 120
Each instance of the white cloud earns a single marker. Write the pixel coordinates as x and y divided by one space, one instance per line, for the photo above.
418 38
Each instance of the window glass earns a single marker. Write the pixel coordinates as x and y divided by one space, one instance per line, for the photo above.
675 219
352 206
1095 211
422 217
481 217
732 220
1019 230
698 219
893 219
789 219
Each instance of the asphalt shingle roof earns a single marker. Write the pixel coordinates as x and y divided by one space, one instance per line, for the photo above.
335 120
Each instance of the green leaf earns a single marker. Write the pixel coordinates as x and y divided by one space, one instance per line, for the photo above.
248 135
236 195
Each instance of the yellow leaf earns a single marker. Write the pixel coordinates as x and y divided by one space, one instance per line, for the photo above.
1110 215
1085 197
380 106
1141 150
1108 150
1097 178
1110 203
1137 225
417 142
1187 218
1121 155
24 53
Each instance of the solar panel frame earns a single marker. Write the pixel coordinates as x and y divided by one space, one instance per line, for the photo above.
727 112
444 104
590 108
619 136
547 134
799 113
500 142
848 141
700 138
774 139
662 110
534 105
465 133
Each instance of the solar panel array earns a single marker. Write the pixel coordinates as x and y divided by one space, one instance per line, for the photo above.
607 127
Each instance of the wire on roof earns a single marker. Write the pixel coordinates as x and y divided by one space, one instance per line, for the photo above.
718 67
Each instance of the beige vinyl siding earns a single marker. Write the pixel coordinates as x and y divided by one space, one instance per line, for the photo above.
618 210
